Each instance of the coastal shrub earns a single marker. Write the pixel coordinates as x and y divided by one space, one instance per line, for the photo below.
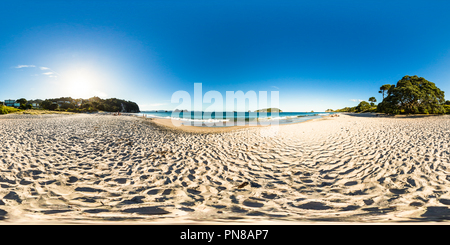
101 107
46 104
7 109
347 109
413 95
52 107
363 106
372 109
25 106
447 109
86 105
66 106
3 110
72 110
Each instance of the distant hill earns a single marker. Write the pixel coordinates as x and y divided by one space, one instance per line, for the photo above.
91 104
269 110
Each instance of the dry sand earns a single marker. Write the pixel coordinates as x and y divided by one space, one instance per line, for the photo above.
99 168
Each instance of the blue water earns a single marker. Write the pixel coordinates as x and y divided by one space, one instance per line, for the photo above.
219 119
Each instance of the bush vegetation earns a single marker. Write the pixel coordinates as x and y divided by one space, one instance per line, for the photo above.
363 106
7 109
447 109
91 105
411 95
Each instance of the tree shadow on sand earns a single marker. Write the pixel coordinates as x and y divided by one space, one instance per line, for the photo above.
382 115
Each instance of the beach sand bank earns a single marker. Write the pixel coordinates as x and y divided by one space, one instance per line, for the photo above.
102 168
177 125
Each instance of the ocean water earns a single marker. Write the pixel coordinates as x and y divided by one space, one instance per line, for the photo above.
226 118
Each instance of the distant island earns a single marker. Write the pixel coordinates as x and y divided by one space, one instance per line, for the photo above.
269 110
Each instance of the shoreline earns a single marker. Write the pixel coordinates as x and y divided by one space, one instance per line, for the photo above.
169 124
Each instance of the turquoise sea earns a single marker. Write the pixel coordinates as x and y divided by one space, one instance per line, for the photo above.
221 119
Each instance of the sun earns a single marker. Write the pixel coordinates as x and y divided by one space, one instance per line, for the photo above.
80 84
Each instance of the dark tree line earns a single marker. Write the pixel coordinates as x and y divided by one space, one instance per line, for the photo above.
91 104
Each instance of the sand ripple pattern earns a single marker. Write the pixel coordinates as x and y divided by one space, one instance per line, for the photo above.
105 168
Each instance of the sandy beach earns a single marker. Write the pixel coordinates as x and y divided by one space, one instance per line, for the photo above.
178 126
102 168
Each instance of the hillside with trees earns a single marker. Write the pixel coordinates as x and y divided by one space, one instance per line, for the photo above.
110 105
91 104
76 105
411 95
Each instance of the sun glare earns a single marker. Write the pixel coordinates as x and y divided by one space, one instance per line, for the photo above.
80 84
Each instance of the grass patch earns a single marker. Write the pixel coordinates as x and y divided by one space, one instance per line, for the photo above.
40 112
7 109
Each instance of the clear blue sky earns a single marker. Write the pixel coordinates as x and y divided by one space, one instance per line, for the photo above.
317 54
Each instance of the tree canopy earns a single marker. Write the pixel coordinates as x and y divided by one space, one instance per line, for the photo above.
363 106
384 88
372 101
92 104
413 94
22 101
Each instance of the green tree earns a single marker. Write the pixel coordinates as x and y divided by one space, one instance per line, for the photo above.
413 94
101 107
384 88
372 101
22 101
86 105
447 102
363 106
52 107
447 109
46 104
66 106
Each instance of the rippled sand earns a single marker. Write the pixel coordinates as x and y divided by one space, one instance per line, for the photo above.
83 168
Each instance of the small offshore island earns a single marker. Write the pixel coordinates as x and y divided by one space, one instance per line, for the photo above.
269 110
